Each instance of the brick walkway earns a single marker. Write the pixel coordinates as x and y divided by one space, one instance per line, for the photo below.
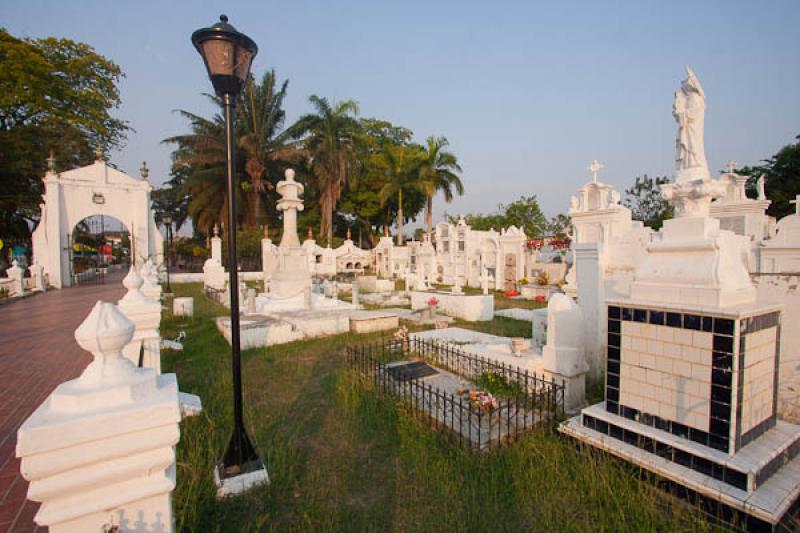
37 352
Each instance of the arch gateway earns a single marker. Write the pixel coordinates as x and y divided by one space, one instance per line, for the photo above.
97 189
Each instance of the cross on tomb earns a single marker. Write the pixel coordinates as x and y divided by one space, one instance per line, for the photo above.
731 166
594 168
796 203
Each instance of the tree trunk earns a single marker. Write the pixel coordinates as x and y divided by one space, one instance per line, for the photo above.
429 217
400 218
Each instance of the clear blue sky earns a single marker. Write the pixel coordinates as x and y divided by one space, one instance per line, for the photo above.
527 92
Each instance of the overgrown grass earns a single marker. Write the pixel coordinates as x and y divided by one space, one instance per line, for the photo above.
340 458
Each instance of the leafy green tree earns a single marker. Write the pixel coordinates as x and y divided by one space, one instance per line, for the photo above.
646 203
332 139
524 213
437 173
56 95
559 225
782 175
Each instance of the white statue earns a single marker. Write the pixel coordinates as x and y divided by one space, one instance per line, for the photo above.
689 111
762 181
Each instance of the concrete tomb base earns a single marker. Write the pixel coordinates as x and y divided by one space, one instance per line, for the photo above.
759 481
469 307
233 485
279 328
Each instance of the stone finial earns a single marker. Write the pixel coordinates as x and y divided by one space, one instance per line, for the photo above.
348 233
51 163
104 333
133 282
289 174
731 166
216 230
266 231
144 171
310 234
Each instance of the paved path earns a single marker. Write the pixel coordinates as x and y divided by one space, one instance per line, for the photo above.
37 352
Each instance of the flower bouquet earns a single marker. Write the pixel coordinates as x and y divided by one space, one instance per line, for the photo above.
481 400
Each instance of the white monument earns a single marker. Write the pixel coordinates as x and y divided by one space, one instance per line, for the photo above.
100 451
291 276
692 359
97 189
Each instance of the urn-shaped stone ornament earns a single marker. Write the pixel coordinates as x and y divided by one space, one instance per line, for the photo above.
104 333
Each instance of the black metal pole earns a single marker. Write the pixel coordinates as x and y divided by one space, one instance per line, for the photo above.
240 456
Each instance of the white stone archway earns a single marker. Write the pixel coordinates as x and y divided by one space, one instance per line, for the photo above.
94 190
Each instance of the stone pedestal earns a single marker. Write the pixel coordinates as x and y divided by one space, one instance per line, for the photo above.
99 452
183 306
37 277
151 287
563 357
145 313
15 274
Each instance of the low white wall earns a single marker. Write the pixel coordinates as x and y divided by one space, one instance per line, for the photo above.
472 307
193 277
785 289
373 284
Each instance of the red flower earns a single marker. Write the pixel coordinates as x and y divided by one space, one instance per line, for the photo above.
539 298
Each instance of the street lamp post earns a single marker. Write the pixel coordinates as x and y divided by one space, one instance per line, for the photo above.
227 55
167 220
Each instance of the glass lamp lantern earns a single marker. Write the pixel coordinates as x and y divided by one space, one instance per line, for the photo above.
227 55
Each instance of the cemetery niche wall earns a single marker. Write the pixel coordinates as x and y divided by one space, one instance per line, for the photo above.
97 189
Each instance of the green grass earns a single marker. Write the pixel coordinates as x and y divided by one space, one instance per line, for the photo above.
341 458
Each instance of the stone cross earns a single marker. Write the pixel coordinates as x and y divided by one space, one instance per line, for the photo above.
796 203
594 168
731 165
51 163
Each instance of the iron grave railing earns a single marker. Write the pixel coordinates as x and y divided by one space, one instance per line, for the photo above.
441 397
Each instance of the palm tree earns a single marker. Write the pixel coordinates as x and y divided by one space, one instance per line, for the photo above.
331 140
401 165
266 149
203 153
438 173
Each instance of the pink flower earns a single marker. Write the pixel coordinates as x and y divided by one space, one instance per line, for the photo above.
433 301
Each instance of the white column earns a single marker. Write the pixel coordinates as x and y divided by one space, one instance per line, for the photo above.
145 313
99 451
591 295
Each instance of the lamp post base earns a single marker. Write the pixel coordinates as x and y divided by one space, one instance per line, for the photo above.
241 468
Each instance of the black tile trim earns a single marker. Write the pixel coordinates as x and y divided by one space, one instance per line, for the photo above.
777 463
723 473
724 358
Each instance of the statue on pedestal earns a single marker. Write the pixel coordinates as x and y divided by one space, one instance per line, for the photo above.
689 109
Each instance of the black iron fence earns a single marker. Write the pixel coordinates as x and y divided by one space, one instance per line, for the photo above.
525 400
